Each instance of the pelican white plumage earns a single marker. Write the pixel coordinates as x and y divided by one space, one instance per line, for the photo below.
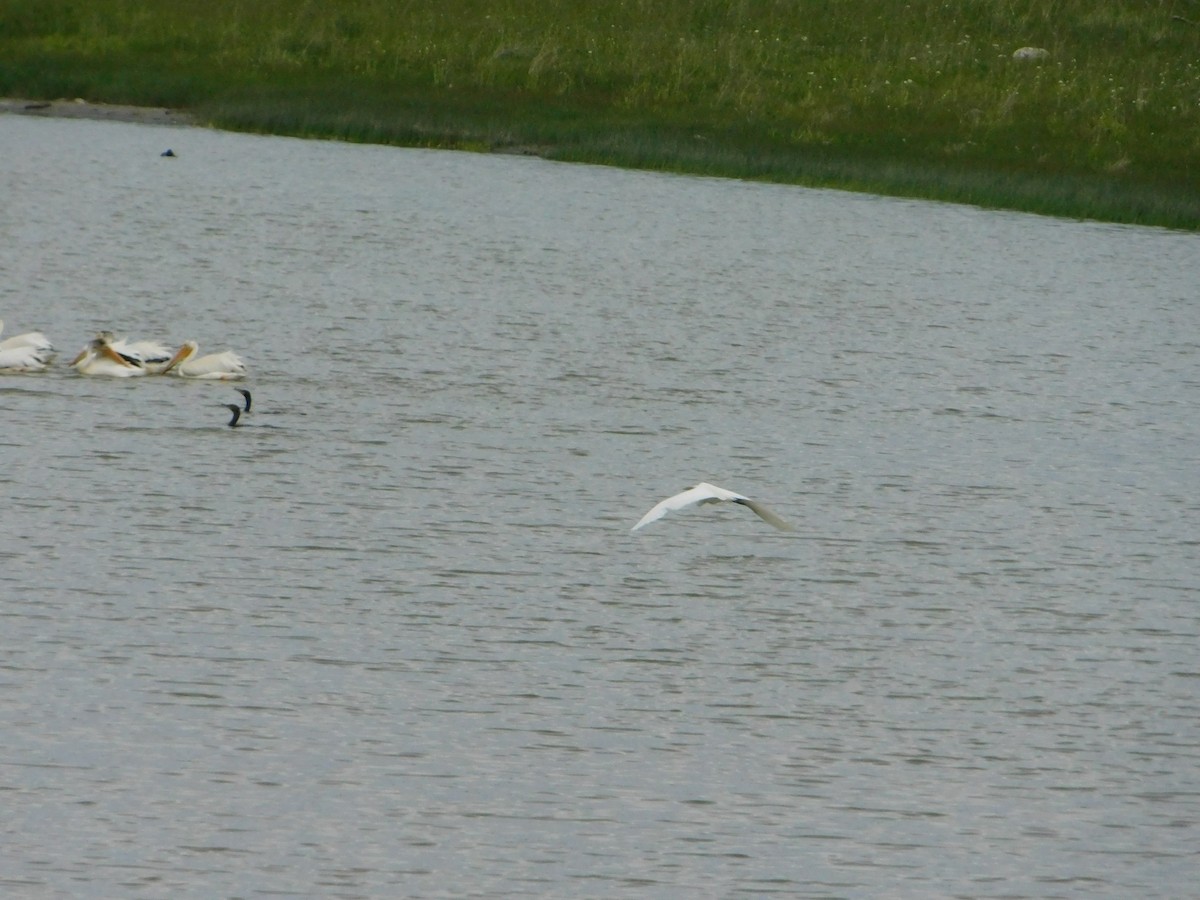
226 366
709 493
23 359
33 339
100 358
28 352
153 356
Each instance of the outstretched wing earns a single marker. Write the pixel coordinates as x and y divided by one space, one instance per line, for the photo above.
766 515
697 494
710 493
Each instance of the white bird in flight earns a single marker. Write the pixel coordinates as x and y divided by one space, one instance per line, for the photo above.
709 493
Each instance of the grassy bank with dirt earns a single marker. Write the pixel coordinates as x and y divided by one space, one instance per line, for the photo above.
919 99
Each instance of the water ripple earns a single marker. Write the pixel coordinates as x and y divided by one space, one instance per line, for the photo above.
393 637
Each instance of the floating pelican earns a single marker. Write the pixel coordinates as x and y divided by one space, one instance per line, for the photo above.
28 352
227 365
100 358
709 493
150 355
153 356
24 359
34 339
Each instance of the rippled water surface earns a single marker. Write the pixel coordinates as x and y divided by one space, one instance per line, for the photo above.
394 637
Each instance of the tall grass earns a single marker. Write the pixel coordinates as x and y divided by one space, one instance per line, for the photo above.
921 98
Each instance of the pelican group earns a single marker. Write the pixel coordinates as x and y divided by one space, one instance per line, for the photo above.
705 493
120 358
116 357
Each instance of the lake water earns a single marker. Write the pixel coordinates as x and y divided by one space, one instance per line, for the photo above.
394 638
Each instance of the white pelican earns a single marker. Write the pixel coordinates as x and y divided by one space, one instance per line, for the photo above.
23 359
709 493
34 339
153 356
227 365
99 358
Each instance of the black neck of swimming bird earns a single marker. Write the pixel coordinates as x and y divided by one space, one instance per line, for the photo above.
237 414
245 394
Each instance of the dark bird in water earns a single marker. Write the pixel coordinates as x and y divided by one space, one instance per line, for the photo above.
167 152
245 393
237 414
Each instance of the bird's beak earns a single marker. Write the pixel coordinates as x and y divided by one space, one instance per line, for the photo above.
179 354
115 356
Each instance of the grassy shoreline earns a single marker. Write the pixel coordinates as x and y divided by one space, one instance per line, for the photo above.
923 101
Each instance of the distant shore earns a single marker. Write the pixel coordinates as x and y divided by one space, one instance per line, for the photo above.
82 109
1082 111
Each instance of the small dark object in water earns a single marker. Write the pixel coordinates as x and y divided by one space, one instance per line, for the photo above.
245 393
237 414
167 152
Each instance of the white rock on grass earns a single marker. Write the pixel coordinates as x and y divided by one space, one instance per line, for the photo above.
1031 53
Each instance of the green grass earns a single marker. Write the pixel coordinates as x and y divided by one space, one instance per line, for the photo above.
919 99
